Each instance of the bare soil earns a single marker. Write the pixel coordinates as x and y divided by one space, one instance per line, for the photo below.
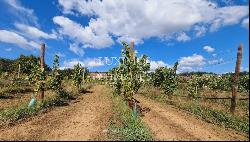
169 123
84 119
87 118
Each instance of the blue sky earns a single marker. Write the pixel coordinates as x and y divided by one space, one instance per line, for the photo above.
203 35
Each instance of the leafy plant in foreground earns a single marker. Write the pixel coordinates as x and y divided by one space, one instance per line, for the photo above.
38 77
55 78
77 76
194 86
128 77
166 79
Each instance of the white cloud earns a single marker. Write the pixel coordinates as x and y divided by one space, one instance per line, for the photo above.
129 39
245 23
228 2
90 63
191 63
34 44
247 69
76 49
68 5
33 32
71 63
183 37
185 69
209 49
232 14
142 19
8 49
94 62
200 31
194 60
215 61
14 38
155 64
215 25
82 35
23 14
244 68
27 34
228 16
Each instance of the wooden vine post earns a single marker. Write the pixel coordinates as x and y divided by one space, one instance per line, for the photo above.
42 67
132 45
19 68
235 79
132 55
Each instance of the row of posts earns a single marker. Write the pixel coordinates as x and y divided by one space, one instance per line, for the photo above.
234 83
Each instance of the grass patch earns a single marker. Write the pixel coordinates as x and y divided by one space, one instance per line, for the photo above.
124 126
14 89
219 117
12 115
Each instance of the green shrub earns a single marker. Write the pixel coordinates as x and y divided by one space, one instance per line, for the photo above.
218 117
14 89
14 114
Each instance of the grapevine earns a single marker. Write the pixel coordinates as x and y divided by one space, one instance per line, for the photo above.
77 76
128 77
55 78
166 79
38 77
195 84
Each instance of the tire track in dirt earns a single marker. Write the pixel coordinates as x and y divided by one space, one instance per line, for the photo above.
86 119
169 123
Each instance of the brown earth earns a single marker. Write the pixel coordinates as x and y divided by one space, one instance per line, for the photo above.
84 119
15 100
87 119
169 123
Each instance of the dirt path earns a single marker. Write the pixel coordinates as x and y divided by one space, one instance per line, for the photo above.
169 123
85 119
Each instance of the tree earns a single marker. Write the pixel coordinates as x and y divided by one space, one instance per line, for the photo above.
166 79
158 77
77 76
26 64
128 77
55 78
6 65
37 77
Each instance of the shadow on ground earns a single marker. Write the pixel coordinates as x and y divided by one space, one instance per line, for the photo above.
6 97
